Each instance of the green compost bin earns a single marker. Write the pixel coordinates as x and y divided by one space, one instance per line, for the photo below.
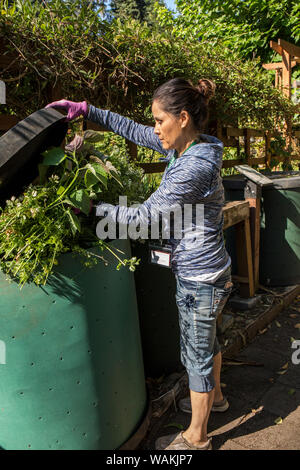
279 228
71 365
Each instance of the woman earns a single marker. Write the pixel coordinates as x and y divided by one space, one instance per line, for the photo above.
203 269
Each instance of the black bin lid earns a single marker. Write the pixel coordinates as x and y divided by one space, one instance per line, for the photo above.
22 145
280 180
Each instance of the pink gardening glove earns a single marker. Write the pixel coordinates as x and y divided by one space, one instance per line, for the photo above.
74 109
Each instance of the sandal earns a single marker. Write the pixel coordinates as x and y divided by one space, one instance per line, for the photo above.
178 442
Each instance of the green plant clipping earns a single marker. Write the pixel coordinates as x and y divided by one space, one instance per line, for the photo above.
53 156
80 199
74 222
57 216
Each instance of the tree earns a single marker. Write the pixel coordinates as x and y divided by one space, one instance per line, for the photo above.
244 26
99 5
141 10
116 65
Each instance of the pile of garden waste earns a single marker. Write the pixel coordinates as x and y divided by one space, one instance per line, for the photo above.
56 213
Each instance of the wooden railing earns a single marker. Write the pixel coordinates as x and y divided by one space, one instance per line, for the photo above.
230 136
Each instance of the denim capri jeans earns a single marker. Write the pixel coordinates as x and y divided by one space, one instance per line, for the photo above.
199 305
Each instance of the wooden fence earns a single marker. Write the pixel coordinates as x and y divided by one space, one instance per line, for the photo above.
231 137
240 139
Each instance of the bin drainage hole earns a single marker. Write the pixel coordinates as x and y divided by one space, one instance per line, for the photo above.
43 333
61 358
54 301
90 352
78 382
29 445
50 389
95 404
71 327
68 412
84 434
32 363
13 337
21 393
40 417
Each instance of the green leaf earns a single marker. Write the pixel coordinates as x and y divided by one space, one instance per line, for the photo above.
53 156
12 9
60 190
81 200
98 171
90 179
93 136
101 156
74 222
97 188
99 168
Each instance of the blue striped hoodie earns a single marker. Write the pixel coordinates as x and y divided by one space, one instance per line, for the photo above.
193 179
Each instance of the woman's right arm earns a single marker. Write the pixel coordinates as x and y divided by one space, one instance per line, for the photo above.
136 133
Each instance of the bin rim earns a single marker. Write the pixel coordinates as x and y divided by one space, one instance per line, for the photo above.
280 180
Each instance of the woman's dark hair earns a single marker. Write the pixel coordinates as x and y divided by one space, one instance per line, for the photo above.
179 94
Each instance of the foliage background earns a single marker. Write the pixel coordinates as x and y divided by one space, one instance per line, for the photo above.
118 63
243 26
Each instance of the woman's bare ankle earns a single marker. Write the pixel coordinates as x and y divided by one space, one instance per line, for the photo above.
218 396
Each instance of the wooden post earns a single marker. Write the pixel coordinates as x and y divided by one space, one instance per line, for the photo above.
286 89
278 78
286 73
267 149
252 194
247 144
245 264
219 129
132 149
